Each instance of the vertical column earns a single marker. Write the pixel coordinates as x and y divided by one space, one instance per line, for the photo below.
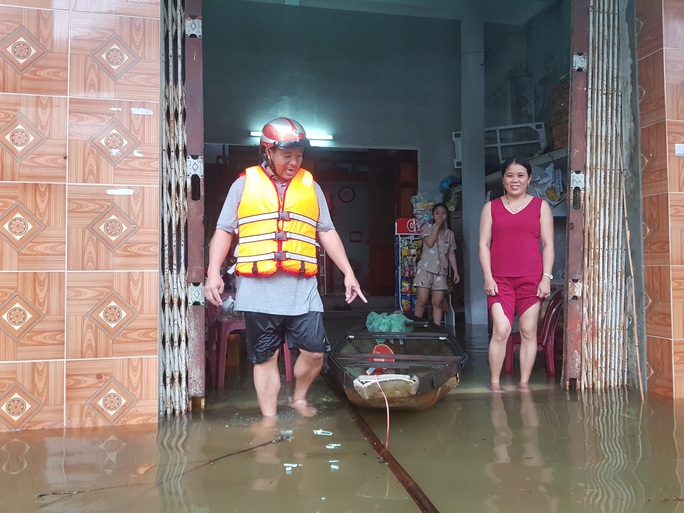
473 174
194 127
575 315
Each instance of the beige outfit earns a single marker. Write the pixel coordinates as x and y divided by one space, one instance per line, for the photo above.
433 267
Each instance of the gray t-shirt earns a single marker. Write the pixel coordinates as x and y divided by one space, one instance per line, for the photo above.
281 293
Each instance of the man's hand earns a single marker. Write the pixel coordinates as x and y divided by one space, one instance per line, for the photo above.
352 289
218 249
213 289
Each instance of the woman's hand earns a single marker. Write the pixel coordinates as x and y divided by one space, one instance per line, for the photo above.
491 288
544 288
457 278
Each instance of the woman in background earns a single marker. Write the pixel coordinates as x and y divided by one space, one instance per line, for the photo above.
517 273
439 246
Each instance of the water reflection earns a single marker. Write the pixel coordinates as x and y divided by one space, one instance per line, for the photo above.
548 450
518 464
15 462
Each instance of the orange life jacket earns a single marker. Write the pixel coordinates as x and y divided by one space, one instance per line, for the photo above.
275 234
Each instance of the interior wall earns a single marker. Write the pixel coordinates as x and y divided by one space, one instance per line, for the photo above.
370 80
351 222
394 84
523 64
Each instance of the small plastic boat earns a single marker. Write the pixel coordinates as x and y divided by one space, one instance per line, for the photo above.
413 369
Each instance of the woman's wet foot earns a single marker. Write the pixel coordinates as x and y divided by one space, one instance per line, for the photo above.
496 388
523 387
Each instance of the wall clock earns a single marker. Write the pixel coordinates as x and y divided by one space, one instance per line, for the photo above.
346 194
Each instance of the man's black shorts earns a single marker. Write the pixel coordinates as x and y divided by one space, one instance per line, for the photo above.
267 332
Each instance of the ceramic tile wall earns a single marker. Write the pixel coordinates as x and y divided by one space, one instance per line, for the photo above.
660 49
79 212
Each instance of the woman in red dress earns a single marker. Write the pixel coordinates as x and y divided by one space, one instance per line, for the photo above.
517 272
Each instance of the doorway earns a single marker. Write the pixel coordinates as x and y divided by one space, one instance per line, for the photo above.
366 190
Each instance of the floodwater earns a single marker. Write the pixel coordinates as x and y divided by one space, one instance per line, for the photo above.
544 451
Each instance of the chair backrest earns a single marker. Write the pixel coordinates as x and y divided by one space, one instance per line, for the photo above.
554 311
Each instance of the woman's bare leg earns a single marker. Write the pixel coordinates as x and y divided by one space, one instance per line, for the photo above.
501 330
528 343
421 301
437 297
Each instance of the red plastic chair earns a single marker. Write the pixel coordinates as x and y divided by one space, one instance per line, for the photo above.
545 337
225 328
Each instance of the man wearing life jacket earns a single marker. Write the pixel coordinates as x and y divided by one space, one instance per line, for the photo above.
280 216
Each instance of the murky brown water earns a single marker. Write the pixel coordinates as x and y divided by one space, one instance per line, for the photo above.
474 451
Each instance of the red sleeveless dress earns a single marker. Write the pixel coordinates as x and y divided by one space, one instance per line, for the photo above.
515 248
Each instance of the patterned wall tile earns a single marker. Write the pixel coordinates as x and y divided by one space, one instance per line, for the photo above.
651 89
654 151
112 401
673 23
18 406
19 226
33 139
113 227
32 316
108 392
659 366
674 79
19 137
42 4
675 163
113 231
18 316
656 228
34 51
112 315
649 25
32 227
141 8
677 228
678 367
657 301
31 395
677 287
113 142
114 57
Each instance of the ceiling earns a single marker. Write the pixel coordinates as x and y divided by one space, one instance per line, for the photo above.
511 12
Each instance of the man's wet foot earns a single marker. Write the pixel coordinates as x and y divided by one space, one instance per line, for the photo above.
303 407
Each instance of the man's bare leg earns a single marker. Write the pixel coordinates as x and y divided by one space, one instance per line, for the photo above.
306 369
267 385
